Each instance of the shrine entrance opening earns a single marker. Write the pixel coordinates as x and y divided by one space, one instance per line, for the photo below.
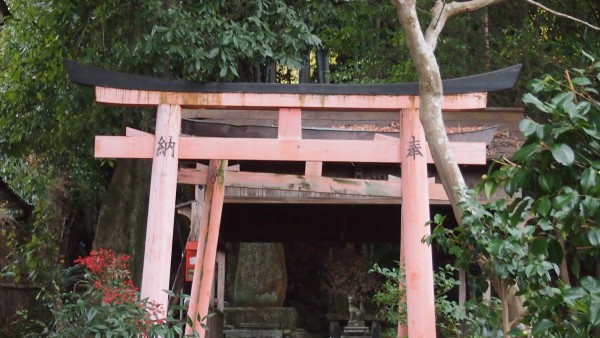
168 146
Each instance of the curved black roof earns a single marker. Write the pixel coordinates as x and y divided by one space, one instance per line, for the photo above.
94 76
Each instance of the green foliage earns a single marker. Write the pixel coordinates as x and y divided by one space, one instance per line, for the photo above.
209 40
483 318
390 298
48 124
103 303
551 217
362 38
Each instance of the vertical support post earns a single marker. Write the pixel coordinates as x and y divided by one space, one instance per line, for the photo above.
161 211
402 329
221 281
207 247
312 168
289 126
415 214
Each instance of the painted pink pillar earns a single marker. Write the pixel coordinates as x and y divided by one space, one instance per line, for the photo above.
161 211
415 213
402 329
206 255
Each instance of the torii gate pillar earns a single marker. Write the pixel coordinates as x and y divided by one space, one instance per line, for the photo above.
163 186
420 300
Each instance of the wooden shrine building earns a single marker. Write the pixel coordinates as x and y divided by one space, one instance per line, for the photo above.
291 142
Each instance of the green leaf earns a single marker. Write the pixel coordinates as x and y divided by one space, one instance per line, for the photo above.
489 187
213 52
525 152
545 224
562 99
594 237
529 98
591 284
546 182
566 200
542 131
581 81
542 326
573 294
91 313
233 70
543 206
593 133
591 58
537 85
539 246
594 315
591 204
528 127
588 180
563 154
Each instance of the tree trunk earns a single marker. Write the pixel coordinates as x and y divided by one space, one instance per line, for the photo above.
122 220
431 94
430 111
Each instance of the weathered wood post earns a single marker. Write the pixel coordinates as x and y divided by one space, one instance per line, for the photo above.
161 211
207 247
415 214
402 329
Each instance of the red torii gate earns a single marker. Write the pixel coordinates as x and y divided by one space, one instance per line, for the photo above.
167 146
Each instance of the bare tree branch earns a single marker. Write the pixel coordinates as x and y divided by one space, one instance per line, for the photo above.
562 15
441 11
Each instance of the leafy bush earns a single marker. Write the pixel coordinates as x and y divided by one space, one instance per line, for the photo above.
105 303
539 245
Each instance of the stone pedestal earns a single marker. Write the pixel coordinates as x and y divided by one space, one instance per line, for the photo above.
356 329
261 322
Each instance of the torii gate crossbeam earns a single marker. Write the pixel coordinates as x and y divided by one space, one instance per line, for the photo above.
167 147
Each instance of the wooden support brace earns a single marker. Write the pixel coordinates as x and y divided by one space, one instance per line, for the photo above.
207 247
161 211
415 214
220 281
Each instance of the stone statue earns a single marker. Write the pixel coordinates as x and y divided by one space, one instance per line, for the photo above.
356 313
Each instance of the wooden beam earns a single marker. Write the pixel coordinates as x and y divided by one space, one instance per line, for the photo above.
207 247
131 132
211 148
276 101
301 183
161 211
418 260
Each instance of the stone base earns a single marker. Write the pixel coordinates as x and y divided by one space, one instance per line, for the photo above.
264 318
356 329
254 334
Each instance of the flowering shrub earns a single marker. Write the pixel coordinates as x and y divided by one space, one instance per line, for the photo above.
105 303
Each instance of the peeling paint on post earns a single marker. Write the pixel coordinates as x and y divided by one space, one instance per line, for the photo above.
161 211
207 247
415 214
